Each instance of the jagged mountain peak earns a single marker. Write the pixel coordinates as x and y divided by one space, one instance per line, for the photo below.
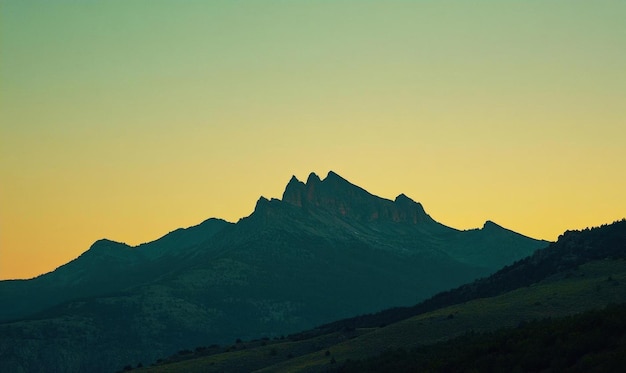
490 225
411 210
403 199
313 179
338 183
337 195
262 204
294 181
333 176
293 192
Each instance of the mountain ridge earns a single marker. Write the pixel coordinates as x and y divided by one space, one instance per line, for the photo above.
329 250
336 193
584 270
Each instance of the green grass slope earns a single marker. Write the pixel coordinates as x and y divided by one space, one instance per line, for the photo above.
594 341
590 286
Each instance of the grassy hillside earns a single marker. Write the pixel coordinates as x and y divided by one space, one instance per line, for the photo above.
590 286
594 341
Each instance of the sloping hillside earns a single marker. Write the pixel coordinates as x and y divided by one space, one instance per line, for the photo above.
582 271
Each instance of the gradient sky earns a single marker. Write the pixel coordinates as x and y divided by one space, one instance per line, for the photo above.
128 119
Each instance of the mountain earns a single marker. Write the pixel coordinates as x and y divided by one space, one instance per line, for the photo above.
561 258
327 250
107 267
519 319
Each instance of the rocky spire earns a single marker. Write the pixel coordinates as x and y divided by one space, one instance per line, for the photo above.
337 195
294 192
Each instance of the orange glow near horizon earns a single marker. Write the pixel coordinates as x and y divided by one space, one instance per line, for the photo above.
127 120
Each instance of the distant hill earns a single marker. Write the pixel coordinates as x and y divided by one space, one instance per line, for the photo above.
326 251
584 270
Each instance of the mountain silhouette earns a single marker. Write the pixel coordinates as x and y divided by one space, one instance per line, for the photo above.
327 250
584 270
337 195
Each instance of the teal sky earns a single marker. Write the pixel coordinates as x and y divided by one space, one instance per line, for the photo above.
128 119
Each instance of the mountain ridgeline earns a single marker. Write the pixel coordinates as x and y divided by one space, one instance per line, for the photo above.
327 250
488 325
560 258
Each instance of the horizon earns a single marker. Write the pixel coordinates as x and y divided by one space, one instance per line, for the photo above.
161 235
128 120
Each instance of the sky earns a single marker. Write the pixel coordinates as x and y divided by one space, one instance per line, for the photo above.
128 119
